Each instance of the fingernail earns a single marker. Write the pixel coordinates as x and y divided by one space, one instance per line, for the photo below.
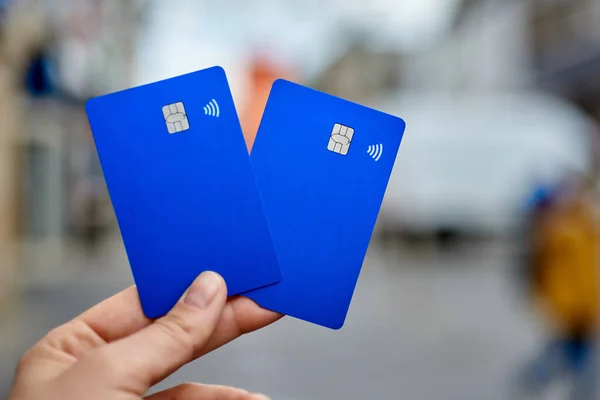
204 289
258 396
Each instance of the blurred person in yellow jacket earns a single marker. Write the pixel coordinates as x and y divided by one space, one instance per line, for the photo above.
565 283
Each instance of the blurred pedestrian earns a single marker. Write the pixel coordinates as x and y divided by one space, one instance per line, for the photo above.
564 284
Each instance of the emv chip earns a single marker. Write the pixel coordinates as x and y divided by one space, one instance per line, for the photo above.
340 139
176 118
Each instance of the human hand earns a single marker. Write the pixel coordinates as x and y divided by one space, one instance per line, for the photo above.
113 352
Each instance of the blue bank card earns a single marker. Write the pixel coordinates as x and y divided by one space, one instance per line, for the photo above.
181 183
322 165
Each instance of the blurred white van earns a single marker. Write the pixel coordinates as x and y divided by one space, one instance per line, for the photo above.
468 162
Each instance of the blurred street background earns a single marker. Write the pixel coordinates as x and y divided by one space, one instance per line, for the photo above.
489 222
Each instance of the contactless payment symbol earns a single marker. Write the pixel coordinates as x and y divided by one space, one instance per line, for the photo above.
176 118
212 109
340 139
375 151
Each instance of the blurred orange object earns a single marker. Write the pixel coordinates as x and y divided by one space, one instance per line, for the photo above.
263 72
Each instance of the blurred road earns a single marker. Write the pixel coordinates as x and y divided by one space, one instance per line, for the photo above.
423 325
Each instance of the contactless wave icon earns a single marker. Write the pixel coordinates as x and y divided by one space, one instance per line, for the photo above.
375 151
212 109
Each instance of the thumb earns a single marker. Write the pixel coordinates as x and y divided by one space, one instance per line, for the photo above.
158 350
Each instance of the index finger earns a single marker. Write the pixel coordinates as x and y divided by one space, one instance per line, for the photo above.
117 317
121 315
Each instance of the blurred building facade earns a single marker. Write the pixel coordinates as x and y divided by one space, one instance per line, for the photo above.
53 56
565 37
21 35
485 50
362 72
550 45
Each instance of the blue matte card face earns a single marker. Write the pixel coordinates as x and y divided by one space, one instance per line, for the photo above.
322 165
181 183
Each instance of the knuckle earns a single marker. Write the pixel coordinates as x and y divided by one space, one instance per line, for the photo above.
51 341
57 336
54 337
74 338
25 360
